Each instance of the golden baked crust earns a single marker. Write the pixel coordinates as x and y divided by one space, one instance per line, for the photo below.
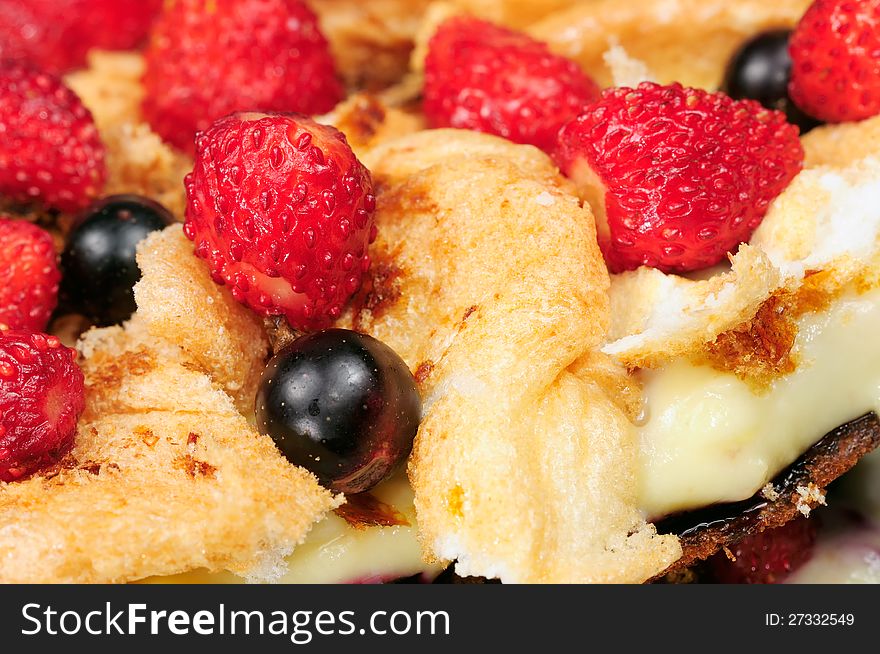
687 41
523 465
370 41
366 120
166 474
138 161
516 13
838 146
178 302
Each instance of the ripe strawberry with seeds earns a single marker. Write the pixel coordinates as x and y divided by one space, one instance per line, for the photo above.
50 151
57 34
41 398
483 77
768 557
29 275
207 59
677 177
282 211
835 53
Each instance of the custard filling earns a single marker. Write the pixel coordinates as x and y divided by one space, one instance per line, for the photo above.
709 437
336 552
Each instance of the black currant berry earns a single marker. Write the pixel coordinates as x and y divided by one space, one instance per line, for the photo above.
342 405
760 71
98 263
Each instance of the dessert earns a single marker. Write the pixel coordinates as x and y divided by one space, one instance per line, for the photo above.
645 341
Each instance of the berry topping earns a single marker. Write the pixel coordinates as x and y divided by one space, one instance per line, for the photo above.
342 405
835 51
50 150
760 71
768 557
57 34
98 261
490 79
282 211
28 276
41 399
677 177
207 59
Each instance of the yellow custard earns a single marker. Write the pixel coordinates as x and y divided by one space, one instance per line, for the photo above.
709 437
335 552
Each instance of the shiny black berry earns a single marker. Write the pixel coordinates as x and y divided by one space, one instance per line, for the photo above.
98 264
342 405
760 71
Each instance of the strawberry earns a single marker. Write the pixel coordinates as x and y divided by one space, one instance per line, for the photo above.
768 557
677 177
835 53
29 275
50 151
56 34
207 59
490 79
282 211
41 398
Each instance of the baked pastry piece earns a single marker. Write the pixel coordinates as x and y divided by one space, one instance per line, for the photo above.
166 474
686 41
523 466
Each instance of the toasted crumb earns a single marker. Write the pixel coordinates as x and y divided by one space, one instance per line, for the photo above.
180 304
545 199
625 69
110 87
769 492
808 496
139 162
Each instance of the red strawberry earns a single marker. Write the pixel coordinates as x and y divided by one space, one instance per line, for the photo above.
57 34
41 399
486 78
28 276
207 59
50 150
768 557
835 53
282 211
677 177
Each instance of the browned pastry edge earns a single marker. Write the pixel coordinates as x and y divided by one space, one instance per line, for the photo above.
706 531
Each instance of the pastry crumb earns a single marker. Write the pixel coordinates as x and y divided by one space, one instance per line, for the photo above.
545 199
809 496
769 492
625 69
